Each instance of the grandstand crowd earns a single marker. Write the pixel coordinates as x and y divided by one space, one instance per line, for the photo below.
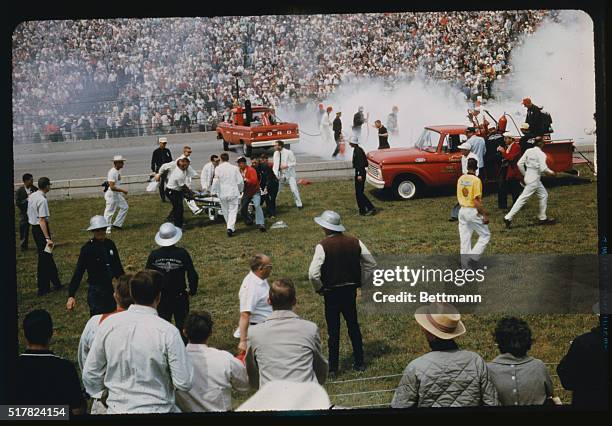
100 78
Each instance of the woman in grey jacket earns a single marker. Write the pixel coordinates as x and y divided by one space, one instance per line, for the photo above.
519 378
447 376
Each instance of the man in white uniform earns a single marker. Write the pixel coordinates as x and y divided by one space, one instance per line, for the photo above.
284 170
208 173
179 180
326 127
531 165
228 183
114 195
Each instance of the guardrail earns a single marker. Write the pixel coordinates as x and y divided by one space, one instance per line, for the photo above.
136 184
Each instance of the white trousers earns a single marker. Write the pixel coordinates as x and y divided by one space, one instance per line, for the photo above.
294 189
534 187
469 222
229 208
114 202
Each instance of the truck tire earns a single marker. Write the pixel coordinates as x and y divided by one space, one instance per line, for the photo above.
406 187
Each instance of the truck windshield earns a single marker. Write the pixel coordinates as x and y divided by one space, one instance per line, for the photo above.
428 141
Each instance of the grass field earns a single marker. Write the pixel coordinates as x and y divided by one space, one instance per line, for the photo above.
391 341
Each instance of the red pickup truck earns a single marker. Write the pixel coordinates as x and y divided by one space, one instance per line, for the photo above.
434 160
262 132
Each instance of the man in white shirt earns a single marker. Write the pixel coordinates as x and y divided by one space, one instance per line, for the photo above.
114 195
38 217
253 295
478 148
284 169
228 183
137 358
326 127
531 165
208 173
124 300
216 372
285 346
179 181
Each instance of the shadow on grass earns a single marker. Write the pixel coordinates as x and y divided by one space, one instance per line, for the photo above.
373 349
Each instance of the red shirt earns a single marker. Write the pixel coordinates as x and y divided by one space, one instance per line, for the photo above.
512 154
251 181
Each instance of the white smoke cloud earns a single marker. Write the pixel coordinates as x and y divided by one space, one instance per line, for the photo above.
554 66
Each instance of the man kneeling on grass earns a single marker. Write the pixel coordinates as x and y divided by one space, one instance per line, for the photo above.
216 372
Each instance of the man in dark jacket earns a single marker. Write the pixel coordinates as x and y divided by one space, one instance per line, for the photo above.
360 164
174 263
161 156
584 371
534 119
339 265
100 258
337 128
185 122
269 185
21 201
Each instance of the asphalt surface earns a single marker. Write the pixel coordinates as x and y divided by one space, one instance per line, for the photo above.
89 161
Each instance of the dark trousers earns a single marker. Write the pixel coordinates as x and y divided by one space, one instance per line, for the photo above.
176 214
162 189
337 139
46 271
24 228
342 301
270 198
176 306
363 202
506 187
244 209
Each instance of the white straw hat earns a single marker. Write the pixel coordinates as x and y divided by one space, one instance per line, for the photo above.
97 222
330 220
118 158
284 395
168 235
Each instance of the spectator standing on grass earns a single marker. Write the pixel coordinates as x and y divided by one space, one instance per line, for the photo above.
21 201
584 369
175 264
284 346
38 217
251 193
161 156
253 296
114 196
216 372
339 266
45 378
284 169
138 360
447 376
518 378
100 258
269 185
124 300
472 216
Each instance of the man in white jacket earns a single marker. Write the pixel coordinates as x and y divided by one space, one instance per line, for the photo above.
532 164
114 196
284 170
208 173
326 127
228 183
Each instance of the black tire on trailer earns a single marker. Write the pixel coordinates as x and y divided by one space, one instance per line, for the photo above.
407 187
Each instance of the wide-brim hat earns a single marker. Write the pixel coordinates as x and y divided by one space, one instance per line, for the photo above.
162 140
465 145
330 220
440 319
298 396
97 222
118 158
168 235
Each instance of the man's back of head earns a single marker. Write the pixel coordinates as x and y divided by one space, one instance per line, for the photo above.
38 328
282 295
145 290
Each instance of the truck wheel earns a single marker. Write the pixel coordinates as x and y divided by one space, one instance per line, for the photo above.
406 187
247 150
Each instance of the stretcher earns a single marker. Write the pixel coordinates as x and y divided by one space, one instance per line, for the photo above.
211 206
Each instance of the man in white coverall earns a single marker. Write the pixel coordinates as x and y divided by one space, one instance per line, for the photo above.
114 195
531 165
326 127
228 184
284 170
